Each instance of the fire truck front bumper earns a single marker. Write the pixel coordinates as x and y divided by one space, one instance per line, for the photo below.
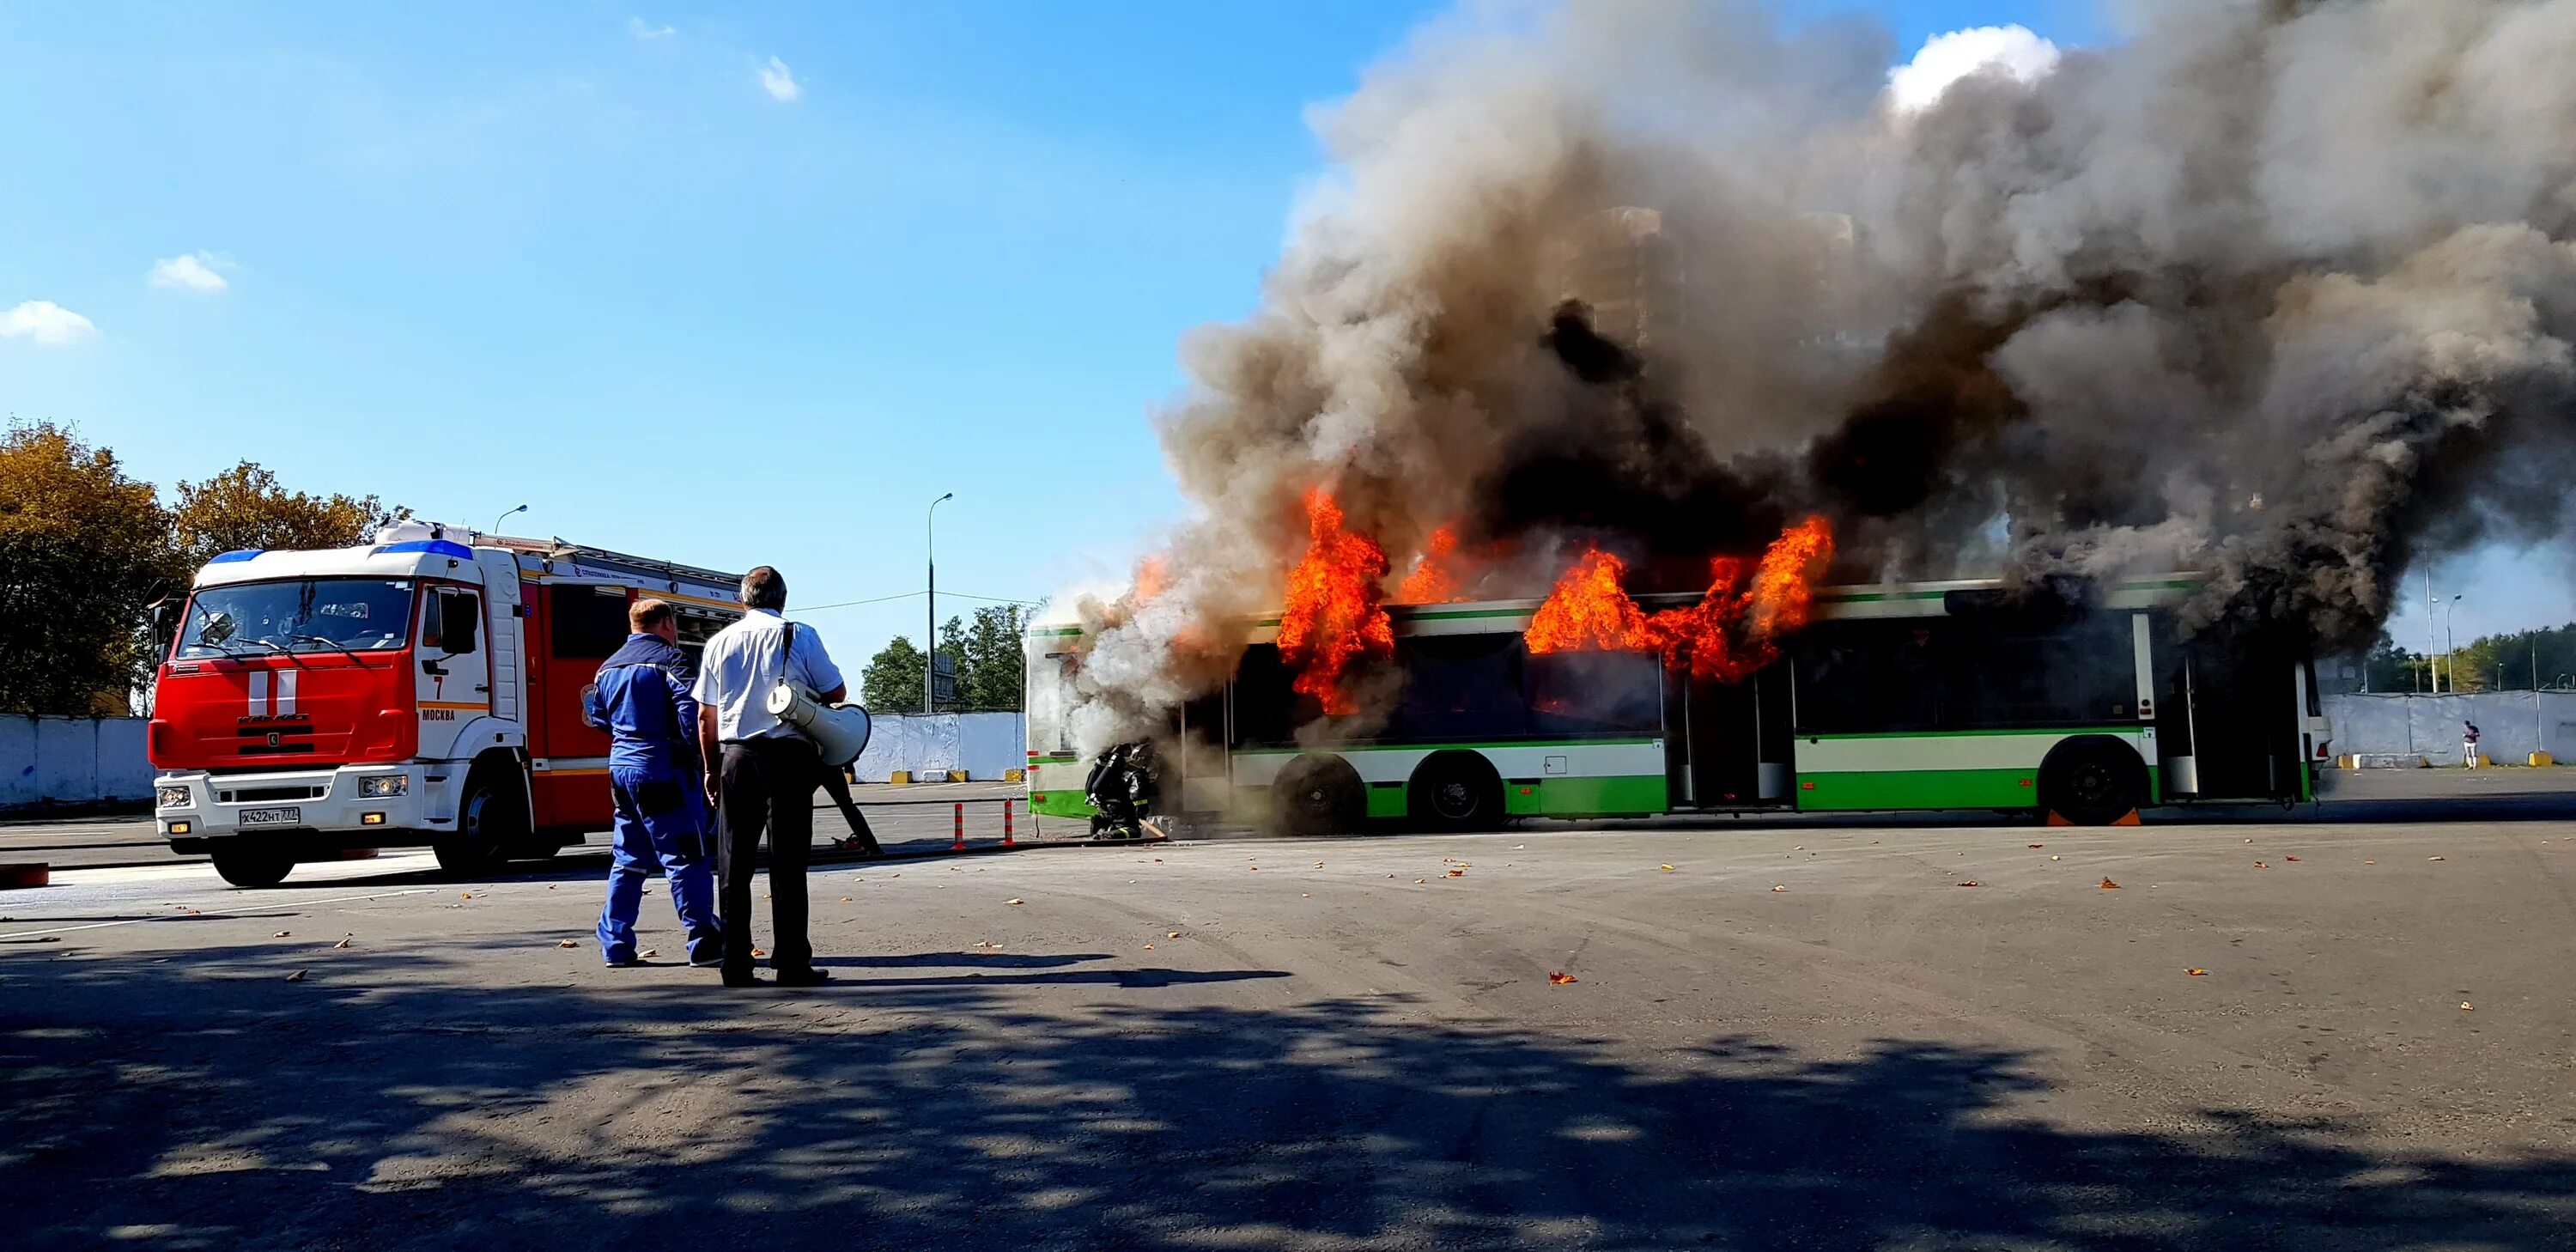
350 806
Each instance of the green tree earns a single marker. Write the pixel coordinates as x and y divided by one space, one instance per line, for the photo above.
83 550
984 650
891 682
244 507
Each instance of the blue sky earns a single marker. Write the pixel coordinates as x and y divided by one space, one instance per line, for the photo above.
587 257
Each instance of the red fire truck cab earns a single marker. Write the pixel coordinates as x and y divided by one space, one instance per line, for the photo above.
422 689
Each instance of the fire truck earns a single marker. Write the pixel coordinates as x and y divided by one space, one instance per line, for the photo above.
421 689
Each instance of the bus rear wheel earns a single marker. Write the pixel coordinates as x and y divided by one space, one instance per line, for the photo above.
1318 795
2092 780
253 867
1455 791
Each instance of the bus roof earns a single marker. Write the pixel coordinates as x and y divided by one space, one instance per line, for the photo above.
1874 600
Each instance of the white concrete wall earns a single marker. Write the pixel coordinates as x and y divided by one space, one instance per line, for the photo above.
72 761
2511 724
982 744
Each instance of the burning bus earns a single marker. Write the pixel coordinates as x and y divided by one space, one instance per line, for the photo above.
2083 701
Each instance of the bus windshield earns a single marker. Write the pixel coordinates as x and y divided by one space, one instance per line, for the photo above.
307 615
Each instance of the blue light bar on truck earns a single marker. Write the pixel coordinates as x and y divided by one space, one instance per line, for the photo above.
433 547
238 554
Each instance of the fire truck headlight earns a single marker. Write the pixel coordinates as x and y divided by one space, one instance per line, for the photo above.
171 797
385 785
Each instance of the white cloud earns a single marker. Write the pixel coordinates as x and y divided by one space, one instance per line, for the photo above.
780 84
1945 59
635 26
192 271
46 323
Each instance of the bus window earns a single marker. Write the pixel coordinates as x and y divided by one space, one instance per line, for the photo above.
1583 694
2077 673
1868 677
1460 688
1265 707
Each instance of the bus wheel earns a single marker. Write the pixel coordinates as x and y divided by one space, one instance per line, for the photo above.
1455 791
488 821
253 867
2092 780
1318 795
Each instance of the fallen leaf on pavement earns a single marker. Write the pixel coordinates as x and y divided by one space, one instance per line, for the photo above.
342 944
465 895
2197 973
2039 845
1972 883
1319 865
2370 862
649 953
2468 1006
1174 935
2260 865
1666 868
2054 857
281 934
568 944
297 976
1149 947
1252 869
1457 873
1779 888
2108 885
1419 881
1560 978
2432 858
2289 858
845 899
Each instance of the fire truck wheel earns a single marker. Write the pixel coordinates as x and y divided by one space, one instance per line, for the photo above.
2092 780
1318 795
253 867
489 822
1454 791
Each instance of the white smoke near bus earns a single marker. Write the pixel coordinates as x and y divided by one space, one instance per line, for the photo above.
2279 289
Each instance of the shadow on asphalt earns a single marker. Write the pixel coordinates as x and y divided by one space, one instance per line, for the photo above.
206 1102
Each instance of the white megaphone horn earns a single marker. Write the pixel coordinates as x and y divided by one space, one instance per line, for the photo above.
839 731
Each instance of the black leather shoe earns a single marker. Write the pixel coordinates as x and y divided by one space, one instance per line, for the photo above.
806 977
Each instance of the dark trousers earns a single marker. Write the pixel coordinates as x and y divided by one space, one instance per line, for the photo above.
766 783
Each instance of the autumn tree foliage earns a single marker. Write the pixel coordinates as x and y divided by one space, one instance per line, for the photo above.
86 549
83 548
245 507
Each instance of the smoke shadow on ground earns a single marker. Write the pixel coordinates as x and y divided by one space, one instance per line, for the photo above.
388 1103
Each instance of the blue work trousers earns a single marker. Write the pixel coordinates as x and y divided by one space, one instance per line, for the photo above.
655 826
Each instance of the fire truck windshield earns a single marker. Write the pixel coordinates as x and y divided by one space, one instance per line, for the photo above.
314 614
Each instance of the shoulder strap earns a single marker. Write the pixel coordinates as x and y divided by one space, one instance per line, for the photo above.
786 644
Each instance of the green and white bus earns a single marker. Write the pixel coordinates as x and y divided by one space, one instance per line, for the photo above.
2089 703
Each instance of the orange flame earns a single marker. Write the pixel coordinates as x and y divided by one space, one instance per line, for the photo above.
1153 574
1434 579
1734 629
1334 616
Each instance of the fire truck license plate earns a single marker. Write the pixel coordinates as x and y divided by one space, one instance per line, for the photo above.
272 817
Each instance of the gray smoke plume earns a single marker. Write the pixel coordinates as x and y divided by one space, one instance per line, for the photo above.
2279 290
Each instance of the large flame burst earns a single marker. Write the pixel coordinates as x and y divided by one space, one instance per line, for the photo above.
1434 579
1734 629
1334 616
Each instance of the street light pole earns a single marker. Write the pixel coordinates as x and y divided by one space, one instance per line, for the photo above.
930 623
2450 645
496 522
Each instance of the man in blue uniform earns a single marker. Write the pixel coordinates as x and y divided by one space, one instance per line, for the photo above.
642 698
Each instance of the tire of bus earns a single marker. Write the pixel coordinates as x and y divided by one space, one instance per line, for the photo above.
1318 795
491 819
2092 780
1454 791
253 867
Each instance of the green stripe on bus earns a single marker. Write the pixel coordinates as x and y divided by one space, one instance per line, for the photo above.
1386 801
2119 729
1060 803
1617 796
1919 789
1451 747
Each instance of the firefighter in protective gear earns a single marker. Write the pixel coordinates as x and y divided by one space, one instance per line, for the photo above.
642 699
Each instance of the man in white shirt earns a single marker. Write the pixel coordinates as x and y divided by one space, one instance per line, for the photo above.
760 772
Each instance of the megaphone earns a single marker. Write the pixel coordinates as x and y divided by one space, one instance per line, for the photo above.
838 731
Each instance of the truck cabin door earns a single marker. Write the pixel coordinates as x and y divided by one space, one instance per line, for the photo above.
454 682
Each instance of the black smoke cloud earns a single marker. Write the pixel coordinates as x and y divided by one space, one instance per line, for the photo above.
2280 291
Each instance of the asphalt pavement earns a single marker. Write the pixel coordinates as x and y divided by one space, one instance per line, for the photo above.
2220 1036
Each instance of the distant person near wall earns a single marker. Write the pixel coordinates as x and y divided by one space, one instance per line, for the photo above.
2469 744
